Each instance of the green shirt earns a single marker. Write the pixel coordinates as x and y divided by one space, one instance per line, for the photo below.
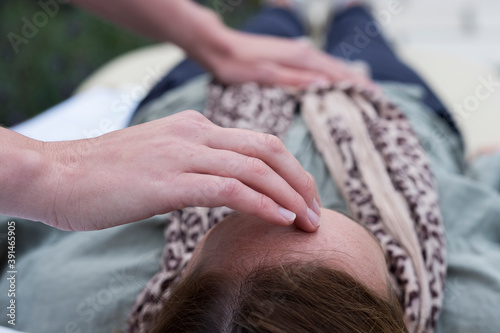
88 281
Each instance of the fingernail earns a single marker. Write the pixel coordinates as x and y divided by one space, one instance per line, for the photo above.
316 208
313 217
287 215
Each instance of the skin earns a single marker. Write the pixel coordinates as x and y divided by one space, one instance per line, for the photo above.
154 168
243 241
231 55
183 160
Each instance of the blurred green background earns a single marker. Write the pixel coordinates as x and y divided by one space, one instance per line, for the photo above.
64 51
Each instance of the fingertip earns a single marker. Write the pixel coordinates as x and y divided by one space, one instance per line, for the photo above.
320 203
316 207
314 218
288 215
304 223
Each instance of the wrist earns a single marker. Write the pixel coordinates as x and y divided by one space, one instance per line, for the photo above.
64 178
208 40
23 176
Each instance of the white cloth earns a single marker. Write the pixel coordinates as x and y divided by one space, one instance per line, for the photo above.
89 114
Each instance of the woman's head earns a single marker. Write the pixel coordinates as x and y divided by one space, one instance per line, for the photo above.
241 242
250 276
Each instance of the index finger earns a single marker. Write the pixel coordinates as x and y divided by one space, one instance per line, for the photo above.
269 149
302 55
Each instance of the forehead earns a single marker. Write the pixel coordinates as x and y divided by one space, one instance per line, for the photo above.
242 241
337 233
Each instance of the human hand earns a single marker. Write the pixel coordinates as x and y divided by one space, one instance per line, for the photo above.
273 60
168 164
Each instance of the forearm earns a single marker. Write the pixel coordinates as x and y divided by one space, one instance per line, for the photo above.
23 176
182 22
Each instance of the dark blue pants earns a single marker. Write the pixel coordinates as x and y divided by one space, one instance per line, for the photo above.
353 35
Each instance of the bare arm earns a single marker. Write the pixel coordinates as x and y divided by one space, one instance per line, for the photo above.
230 55
154 168
182 22
150 169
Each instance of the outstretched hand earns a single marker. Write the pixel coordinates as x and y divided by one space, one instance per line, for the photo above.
179 161
274 61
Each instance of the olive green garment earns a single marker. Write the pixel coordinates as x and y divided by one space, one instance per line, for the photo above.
88 281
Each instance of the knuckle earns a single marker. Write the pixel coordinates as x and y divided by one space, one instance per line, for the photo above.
230 188
309 183
304 52
298 201
192 114
194 118
273 144
262 203
222 74
190 122
256 166
302 48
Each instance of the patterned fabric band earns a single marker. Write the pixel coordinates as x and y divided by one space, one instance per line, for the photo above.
376 160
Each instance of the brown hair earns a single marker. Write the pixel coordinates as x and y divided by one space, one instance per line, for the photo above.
292 297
